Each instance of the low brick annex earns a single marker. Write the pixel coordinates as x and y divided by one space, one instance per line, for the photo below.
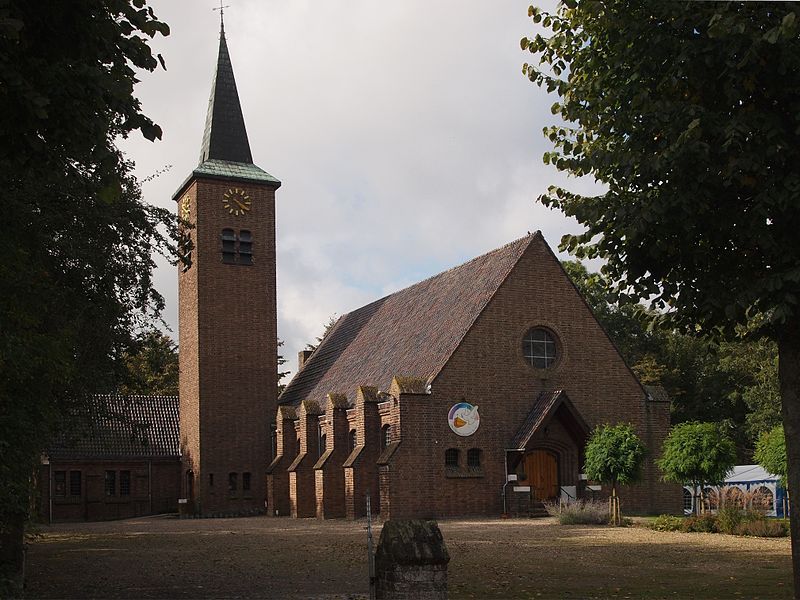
428 399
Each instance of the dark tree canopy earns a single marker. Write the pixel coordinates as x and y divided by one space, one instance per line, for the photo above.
690 116
688 113
150 366
614 454
76 239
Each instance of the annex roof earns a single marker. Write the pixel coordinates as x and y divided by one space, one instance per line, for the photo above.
412 332
122 426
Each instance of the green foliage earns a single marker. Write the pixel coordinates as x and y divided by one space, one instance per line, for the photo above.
76 239
735 382
614 454
688 117
771 453
667 523
151 366
697 453
730 517
706 523
582 512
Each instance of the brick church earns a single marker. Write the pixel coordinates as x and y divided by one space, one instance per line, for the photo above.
472 392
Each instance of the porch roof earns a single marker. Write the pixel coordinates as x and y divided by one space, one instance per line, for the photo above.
544 407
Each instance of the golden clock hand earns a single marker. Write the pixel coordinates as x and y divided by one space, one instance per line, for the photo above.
242 206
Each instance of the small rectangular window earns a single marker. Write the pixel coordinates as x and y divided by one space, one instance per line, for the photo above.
451 458
246 482
228 246
74 483
111 483
233 482
60 484
474 457
211 479
245 248
124 483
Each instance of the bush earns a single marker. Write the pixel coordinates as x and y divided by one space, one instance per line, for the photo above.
731 517
582 512
667 523
706 523
763 528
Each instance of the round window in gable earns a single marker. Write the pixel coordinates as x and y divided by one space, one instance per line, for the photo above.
539 348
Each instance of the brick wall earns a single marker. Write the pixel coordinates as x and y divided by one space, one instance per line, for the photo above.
302 480
152 487
329 471
228 361
277 475
488 370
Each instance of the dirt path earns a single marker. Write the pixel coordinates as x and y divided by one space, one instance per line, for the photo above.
286 558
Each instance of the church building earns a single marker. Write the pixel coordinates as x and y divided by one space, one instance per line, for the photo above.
472 392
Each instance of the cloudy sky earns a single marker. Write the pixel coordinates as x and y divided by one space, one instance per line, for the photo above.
404 133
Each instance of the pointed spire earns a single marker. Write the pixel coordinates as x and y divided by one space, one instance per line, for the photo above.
225 137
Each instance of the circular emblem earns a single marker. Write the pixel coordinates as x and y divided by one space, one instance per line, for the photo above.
464 419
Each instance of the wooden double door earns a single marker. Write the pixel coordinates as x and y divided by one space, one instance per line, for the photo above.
541 469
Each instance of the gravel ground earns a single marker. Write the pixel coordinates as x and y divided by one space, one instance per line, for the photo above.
259 557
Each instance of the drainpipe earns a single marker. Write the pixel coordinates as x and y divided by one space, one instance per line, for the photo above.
150 485
50 491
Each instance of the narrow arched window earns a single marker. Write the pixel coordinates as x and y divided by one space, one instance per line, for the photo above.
474 457
228 246
451 458
386 435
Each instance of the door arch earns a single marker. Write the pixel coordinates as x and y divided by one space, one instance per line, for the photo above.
541 469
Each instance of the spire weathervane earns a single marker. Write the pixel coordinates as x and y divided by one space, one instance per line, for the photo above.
221 10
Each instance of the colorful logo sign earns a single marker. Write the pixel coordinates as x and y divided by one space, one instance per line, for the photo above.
464 419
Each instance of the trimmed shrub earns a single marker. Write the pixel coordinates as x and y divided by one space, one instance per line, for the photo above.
706 523
667 523
763 528
582 512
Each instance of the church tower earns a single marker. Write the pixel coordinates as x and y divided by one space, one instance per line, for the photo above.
227 313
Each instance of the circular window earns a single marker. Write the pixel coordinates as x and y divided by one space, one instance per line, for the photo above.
539 348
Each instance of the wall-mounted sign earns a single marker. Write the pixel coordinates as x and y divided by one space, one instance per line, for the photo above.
464 419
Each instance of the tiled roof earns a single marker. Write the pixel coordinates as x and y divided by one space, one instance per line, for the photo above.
412 332
225 169
541 408
545 405
122 426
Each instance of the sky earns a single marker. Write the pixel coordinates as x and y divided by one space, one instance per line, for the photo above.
404 133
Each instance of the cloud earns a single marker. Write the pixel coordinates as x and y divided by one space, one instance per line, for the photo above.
404 133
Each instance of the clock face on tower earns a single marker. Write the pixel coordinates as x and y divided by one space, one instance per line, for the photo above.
236 201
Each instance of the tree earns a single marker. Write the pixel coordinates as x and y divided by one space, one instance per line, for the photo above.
151 366
614 454
330 323
76 239
771 453
281 374
688 114
699 454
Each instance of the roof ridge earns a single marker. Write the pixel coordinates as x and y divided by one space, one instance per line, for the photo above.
446 271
